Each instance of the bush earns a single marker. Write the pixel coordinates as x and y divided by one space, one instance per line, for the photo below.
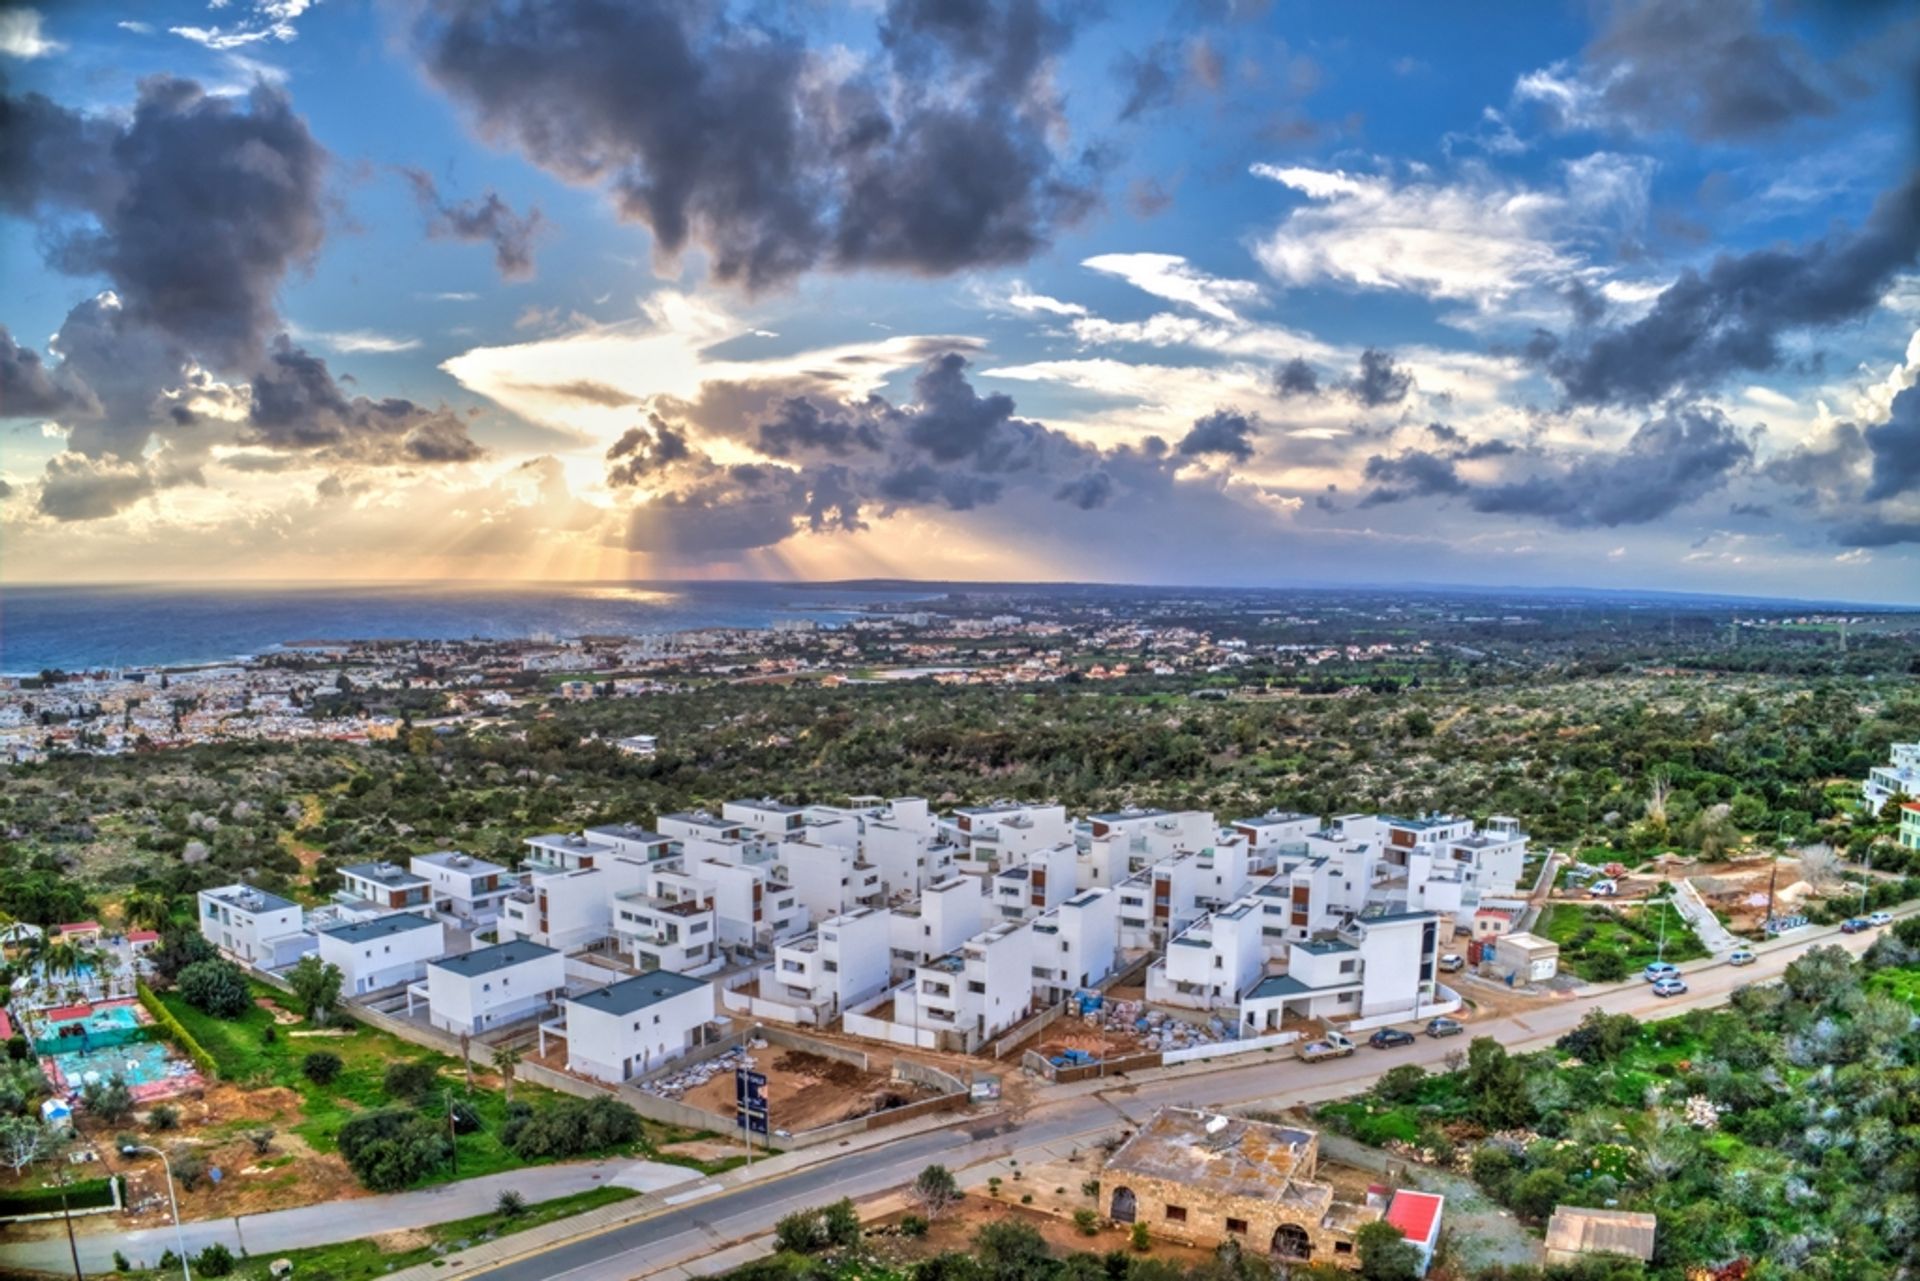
320 1067
1087 1221
110 1100
841 1223
189 1167
176 1031
913 1225
262 1140
573 1127
511 1205
1604 965
391 1148
163 1116
409 1080
120 1263
214 1261
217 988
1139 1239
799 1232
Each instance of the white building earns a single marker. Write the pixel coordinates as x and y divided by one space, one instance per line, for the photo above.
571 908
830 879
254 927
1900 776
1044 880
1378 966
1005 831
1276 829
386 886
969 997
1211 962
492 987
383 952
629 1028
813 979
945 916
466 888
1076 945
670 926
769 818
640 745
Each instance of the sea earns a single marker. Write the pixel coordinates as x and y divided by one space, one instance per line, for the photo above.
90 628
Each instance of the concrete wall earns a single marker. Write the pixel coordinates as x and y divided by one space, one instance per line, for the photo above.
1194 1053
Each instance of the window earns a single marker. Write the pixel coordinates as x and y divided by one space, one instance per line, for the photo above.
1343 1247
1176 1214
1238 1226
1348 967
976 988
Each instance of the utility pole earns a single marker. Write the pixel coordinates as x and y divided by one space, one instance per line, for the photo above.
66 1213
1773 875
453 1138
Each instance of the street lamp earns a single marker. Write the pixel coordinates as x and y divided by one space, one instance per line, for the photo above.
179 1238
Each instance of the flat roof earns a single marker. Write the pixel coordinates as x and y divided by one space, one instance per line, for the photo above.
638 992
384 873
1274 819
1224 1155
500 956
628 832
269 902
379 927
693 819
451 860
1625 1232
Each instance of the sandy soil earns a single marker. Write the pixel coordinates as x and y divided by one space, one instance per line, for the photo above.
806 1091
954 1231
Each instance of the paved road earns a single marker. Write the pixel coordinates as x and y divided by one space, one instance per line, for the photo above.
1053 1128
1069 1116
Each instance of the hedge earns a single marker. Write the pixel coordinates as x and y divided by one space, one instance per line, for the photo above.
175 1031
88 1195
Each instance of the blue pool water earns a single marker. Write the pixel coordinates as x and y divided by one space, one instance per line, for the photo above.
106 1018
140 1062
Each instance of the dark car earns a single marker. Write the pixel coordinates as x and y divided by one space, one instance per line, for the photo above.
1854 925
1445 1027
1388 1037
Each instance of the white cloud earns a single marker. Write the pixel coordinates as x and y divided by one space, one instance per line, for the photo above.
138 28
356 341
217 38
266 20
1477 240
1172 277
20 35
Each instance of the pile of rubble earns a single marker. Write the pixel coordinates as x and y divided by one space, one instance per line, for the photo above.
692 1077
1156 1029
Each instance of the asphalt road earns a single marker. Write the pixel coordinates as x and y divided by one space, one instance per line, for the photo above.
653 1244
1069 1116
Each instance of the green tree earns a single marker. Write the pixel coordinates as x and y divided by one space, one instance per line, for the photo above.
934 1190
214 1261
1496 1082
841 1223
1385 1254
409 1079
799 1232
316 988
1009 1250
320 1067
217 988
110 1100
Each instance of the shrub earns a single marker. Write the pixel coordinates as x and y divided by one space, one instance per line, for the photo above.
120 1263
1087 1221
511 1205
320 1067
176 1031
799 1232
573 1127
163 1116
409 1080
262 1140
1604 965
269 1034
110 1100
912 1225
1139 1240
841 1223
391 1148
189 1167
214 1261
215 987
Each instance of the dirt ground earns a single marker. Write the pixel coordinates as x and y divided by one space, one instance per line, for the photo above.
806 1091
954 1230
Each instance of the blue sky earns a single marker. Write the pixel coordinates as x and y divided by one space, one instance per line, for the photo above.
1616 295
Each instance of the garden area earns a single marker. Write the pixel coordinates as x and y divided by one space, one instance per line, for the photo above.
1605 944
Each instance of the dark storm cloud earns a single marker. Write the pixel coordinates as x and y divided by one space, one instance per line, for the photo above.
921 484
297 405
1297 378
1732 317
1712 68
487 219
1874 531
1087 492
647 451
1668 462
1221 432
800 426
584 389
28 389
1895 445
736 136
1150 79
76 487
951 422
1413 473
1378 381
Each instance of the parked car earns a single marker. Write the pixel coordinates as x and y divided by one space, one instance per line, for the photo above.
1445 1027
1669 986
1853 925
1331 1046
1604 889
1388 1037
1657 970
1453 961
1742 956
1880 918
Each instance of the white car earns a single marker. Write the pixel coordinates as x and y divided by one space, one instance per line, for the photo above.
1742 956
1880 918
1659 971
1669 986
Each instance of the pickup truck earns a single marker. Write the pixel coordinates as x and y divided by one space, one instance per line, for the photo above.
1333 1046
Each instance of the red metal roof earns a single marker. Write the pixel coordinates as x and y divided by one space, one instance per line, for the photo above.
66 1012
6 1025
1417 1215
76 926
143 936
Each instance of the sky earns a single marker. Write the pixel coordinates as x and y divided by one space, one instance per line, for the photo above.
1211 292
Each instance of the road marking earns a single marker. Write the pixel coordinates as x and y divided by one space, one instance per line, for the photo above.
691 1194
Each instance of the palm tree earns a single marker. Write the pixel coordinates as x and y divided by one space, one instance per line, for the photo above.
505 1060
149 908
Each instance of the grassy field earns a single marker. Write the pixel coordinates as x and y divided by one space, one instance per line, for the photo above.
1586 933
365 1260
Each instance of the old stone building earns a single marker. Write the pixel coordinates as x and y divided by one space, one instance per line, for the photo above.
1201 1179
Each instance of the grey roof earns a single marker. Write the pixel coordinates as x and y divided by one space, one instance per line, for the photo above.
704 820
379 927
269 902
498 957
1395 916
1271 820
474 866
628 832
1325 947
379 872
638 992
1123 815
1277 985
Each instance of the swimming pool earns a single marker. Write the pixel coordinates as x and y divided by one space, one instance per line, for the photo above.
142 1063
120 1017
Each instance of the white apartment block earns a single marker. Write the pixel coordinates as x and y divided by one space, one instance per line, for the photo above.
254 927
571 908
1005 831
697 824
385 886
629 1028
814 978
1045 880
945 916
1211 962
466 888
830 879
489 988
1377 966
1900 776
1162 900
1076 945
971 996
1155 834
768 818
670 926
383 952
1276 829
